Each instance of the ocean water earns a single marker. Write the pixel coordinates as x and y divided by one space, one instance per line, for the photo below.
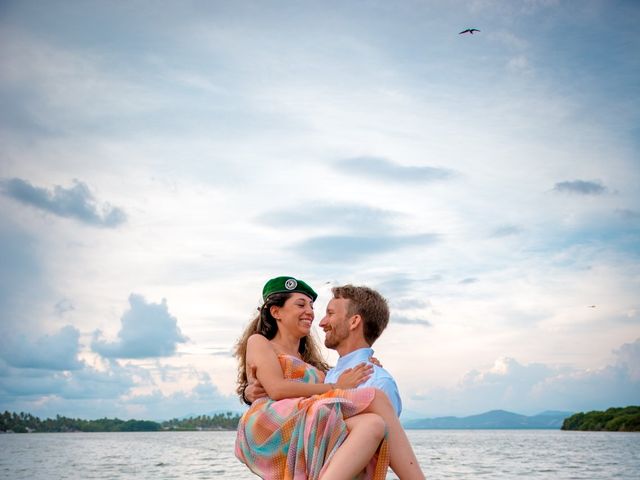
460 454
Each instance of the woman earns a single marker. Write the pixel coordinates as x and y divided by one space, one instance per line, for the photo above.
308 429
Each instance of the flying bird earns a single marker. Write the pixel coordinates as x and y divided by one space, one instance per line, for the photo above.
592 306
469 30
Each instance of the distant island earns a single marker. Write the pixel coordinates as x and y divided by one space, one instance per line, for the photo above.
11 422
495 419
614 419
625 419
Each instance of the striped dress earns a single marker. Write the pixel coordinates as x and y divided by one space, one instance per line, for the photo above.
295 438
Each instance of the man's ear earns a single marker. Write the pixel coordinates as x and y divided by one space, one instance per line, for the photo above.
355 322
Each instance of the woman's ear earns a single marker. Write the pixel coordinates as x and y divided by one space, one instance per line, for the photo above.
273 310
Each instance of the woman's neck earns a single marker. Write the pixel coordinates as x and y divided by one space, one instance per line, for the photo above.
288 344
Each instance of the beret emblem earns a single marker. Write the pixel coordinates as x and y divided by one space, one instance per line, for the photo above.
290 284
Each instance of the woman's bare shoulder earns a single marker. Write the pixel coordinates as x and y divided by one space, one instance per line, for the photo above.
259 348
258 341
256 337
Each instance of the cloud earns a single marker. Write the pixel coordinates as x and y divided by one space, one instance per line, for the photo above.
581 187
519 64
629 358
49 352
396 286
506 231
21 276
63 306
383 169
352 215
628 214
148 330
468 280
85 383
506 372
74 202
90 383
337 248
409 303
202 399
404 320
531 388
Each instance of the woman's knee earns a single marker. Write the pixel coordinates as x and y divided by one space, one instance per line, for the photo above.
376 427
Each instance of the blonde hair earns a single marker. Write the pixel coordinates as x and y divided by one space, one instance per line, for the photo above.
266 325
370 305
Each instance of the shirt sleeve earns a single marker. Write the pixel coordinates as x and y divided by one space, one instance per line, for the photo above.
331 376
389 387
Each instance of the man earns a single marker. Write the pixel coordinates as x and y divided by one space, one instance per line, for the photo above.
355 318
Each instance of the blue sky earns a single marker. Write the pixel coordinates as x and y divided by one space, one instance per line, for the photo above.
159 161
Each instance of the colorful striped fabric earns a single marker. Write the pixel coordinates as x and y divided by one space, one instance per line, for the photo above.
294 438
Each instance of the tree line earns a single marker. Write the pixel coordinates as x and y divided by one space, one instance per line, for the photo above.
625 419
27 423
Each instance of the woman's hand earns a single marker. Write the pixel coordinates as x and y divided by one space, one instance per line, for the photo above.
352 377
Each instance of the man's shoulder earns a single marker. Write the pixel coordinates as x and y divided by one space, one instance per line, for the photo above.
383 375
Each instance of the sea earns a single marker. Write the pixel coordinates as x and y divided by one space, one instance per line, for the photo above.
443 454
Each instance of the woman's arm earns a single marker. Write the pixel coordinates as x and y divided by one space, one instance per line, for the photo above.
269 373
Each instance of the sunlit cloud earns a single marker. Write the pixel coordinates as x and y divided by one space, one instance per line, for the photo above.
534 387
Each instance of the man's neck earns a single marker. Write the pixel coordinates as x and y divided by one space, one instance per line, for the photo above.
351 345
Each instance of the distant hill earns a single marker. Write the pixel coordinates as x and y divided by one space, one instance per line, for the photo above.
612 420
495 419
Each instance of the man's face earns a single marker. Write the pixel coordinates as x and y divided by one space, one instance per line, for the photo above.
335 323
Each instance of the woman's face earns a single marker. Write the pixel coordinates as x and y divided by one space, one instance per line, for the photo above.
296 315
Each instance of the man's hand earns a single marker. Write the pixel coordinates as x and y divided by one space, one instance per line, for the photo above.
254 389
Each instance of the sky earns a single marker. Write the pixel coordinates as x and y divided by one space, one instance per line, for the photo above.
161 160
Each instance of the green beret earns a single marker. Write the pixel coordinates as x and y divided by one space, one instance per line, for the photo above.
287 285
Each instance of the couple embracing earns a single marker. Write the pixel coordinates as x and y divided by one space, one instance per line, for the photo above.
313 422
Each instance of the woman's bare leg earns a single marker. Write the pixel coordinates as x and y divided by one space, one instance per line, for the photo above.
402 458
366 431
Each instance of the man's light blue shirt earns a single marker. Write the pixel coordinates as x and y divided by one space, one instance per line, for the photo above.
379 379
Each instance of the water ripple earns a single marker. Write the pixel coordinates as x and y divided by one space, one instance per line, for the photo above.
443 454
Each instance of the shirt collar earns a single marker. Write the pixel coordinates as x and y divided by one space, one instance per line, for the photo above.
357 356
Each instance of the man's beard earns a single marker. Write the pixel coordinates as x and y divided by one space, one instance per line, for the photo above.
334 337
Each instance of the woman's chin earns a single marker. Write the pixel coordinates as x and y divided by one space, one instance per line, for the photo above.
304 331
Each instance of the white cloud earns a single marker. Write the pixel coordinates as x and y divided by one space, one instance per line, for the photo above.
535 387
148 330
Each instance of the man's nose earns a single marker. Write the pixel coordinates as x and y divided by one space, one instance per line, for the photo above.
323 322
